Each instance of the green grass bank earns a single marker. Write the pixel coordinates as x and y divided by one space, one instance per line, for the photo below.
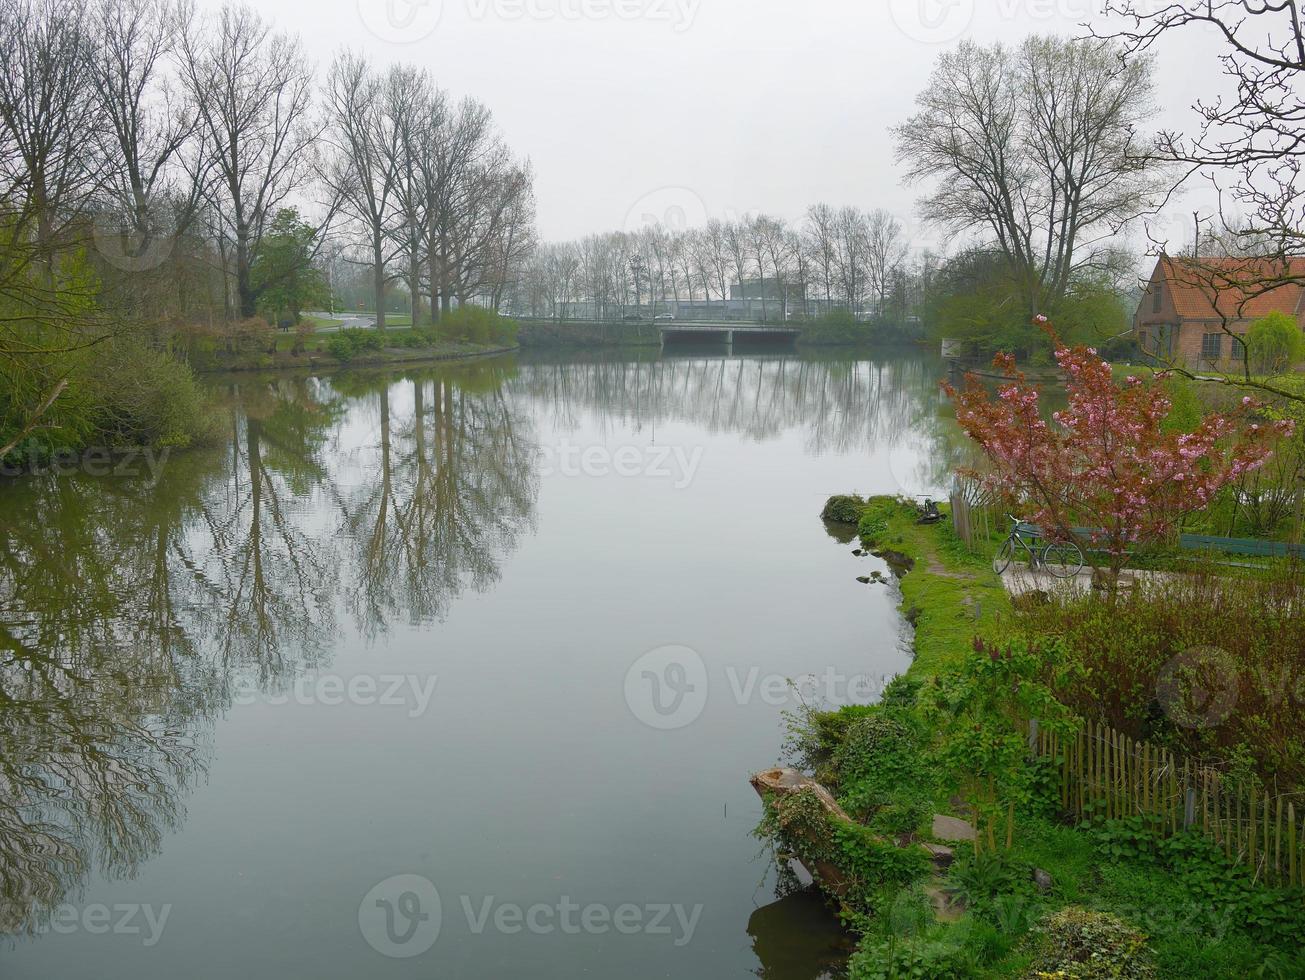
1037 894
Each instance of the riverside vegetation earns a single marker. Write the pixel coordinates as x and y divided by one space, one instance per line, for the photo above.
1039 893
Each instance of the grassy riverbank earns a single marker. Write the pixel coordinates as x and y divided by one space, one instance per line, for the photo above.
322 357
1038 896
129 396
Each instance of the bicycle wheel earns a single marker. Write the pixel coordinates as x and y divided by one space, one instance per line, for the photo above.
1063 560
1004 554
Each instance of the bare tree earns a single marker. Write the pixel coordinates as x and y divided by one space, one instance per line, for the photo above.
47 177
734 238
416 106
252 90
1035 149
886 250
47 108
456 140
818 242
364 174
773 238
147 124
851 253
717 256
1251 145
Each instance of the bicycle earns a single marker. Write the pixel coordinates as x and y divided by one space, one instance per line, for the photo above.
1060 560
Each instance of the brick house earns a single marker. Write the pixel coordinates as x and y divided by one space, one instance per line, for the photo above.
1190 306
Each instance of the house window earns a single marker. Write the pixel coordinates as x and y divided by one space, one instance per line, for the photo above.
1212 346
1155 300
1238 349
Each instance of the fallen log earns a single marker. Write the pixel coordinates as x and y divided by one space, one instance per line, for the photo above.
832 880
789 782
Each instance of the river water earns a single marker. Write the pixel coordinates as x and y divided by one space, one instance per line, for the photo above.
454 672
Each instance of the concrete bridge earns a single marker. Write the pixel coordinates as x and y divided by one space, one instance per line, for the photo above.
686 331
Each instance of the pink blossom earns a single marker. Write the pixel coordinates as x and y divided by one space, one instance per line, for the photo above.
1108 462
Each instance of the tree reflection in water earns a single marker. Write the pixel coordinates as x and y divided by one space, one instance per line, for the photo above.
452 485
129 610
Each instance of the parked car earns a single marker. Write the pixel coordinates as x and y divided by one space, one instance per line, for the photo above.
664 316
632 316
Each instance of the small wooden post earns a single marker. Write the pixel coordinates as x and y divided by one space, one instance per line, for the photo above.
1277 843
1146 779
1239 825
1264 817
1078 761
1291 845
1254 826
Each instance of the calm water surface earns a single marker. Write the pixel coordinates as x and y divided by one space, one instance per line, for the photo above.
458 672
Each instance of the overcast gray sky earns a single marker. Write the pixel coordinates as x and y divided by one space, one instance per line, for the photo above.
702 107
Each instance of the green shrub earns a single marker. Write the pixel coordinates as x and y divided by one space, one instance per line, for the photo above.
981 880
875 746
363 339
1204 663
835 327
340 347
843 509
917 959
1222 887
476 325
901 692
874 862
346 344
813 736
1274 343
1075 943
901 817
142 396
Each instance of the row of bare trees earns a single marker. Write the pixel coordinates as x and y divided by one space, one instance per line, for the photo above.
162 135
837 257
430 194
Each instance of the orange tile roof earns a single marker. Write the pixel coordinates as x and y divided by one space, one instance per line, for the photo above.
1236 288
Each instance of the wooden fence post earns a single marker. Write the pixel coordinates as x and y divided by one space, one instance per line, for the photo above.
1291 845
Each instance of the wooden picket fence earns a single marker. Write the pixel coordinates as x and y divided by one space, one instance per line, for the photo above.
1107 774
971 516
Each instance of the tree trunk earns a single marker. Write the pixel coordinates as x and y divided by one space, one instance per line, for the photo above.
245 297
378 277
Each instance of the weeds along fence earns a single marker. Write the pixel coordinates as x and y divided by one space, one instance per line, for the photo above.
1105 774
972 514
